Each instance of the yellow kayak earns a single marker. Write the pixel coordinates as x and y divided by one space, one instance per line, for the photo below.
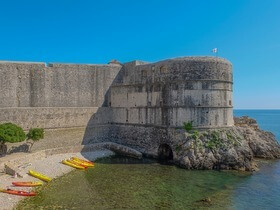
83 162
39 176
69 163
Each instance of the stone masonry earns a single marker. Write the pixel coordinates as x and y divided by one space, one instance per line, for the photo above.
135 103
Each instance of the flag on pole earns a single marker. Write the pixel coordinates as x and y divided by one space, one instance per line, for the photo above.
214 50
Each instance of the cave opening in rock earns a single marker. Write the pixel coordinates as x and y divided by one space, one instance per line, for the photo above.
165 152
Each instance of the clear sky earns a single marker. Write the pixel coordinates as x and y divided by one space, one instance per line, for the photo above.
246 32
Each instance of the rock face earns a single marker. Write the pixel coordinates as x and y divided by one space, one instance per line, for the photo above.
232 148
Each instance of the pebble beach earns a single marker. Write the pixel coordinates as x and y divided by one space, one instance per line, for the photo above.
47 165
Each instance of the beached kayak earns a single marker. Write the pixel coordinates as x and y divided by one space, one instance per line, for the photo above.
69 163
81 164
84 162
39 176
17 192
27 184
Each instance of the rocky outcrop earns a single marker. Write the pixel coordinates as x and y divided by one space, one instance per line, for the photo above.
232 148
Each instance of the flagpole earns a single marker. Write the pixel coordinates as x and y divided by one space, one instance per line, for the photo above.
215 51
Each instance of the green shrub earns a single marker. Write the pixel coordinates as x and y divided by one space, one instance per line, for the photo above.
188 126
12 133
35 134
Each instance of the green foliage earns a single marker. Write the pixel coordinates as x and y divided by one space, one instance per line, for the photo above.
229 136
12 133
188 126
233 140
195 135
215 141
35 134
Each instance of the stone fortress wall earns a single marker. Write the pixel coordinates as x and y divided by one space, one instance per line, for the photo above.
53 96
135 104
171 92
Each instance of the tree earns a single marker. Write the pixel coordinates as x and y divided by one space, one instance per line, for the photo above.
35 134
12 133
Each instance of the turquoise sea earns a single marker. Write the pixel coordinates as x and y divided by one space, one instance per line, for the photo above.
262 189
123 183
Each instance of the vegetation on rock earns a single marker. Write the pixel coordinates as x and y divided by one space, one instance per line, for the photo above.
188 126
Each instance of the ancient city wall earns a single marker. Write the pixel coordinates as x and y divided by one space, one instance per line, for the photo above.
53 96
137 104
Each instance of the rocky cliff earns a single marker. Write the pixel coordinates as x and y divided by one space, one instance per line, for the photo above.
232 148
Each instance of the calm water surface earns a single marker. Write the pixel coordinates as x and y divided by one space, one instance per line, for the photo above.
122 183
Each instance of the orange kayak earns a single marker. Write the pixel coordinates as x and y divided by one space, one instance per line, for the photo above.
27 184
17 192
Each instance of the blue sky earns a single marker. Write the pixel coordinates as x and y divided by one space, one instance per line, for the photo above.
246 32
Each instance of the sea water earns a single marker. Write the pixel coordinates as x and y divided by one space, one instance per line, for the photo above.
124 183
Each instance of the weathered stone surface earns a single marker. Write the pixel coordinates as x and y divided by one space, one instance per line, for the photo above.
123 150
13 171
229 148
139 105
165 93
233 148
171 92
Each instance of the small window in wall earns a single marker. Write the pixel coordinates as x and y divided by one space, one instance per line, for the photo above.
163 70
230 102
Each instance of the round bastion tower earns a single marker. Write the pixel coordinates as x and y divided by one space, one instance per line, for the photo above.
171 92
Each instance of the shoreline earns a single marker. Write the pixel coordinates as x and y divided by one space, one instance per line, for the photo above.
49 165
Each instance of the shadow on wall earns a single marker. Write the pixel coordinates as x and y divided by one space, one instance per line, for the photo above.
98 127
144 138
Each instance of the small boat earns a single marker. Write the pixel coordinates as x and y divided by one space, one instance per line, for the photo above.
17 192
67 162
77 163
85 162
27 184
81 163
39 176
